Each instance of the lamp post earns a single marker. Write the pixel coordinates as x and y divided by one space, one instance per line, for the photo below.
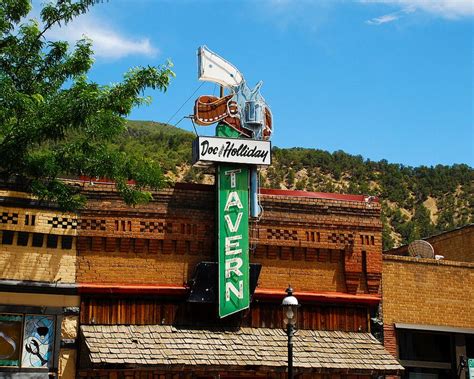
290 306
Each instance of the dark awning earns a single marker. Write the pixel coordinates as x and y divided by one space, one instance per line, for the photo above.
434 328
258 349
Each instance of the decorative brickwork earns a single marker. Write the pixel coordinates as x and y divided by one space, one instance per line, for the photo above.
27 219
341 238
9 218
319 245
155 227
37 245
282 234
316 244
63 222
92 224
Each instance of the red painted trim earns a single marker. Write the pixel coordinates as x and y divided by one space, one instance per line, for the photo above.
325 297
317 195
127 289
260 293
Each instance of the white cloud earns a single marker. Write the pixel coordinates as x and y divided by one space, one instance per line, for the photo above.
382 19
444 8
107 42
449 9
389 17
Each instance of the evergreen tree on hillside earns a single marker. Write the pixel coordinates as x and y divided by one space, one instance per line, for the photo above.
402 190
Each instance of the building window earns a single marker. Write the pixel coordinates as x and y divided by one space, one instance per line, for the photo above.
37 240
425 346
27 340
66 242
52 241
426 354
470 345
22 239
7 237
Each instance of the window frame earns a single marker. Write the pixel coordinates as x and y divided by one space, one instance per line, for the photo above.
57 314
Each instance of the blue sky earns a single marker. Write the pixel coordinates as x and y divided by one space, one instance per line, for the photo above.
386 79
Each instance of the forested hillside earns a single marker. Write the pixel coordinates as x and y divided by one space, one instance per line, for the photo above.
417 201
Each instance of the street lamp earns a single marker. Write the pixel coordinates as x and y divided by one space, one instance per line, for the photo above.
290 307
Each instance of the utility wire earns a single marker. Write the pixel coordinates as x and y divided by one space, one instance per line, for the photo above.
181 107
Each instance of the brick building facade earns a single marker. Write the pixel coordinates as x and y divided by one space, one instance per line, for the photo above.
135 271
37 289
428 306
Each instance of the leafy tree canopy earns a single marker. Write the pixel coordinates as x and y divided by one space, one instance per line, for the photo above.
54 121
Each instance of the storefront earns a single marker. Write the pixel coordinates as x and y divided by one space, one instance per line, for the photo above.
427 306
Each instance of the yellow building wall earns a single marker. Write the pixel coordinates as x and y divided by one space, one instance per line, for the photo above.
428 292
24 262
20 260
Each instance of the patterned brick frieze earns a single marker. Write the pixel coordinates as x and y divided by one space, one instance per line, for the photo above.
63 222
159 227
35 220
346 239
337 241
282 234
36 244
331 245
317 237
9 218
92 224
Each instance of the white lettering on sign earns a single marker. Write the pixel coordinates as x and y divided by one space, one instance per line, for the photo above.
233 214
229 287
232 265
233 200
230 245
233 227
233 176
231 150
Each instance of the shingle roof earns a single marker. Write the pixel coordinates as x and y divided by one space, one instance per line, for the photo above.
158 345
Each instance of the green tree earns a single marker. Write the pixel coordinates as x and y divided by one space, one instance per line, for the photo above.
301 184
422 220
54 121
387 240
290 178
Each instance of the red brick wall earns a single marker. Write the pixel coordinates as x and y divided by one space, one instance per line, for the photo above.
315 244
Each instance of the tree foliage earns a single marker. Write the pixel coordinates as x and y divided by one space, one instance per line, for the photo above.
54 121
403 187
402 190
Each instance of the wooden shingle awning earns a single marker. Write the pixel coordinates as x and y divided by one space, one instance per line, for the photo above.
256 349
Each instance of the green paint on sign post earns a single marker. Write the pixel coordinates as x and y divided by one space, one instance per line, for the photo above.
233 238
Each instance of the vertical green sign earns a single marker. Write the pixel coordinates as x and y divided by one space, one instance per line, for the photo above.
470 364
233 238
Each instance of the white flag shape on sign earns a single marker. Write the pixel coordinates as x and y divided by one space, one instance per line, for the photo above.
215 69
